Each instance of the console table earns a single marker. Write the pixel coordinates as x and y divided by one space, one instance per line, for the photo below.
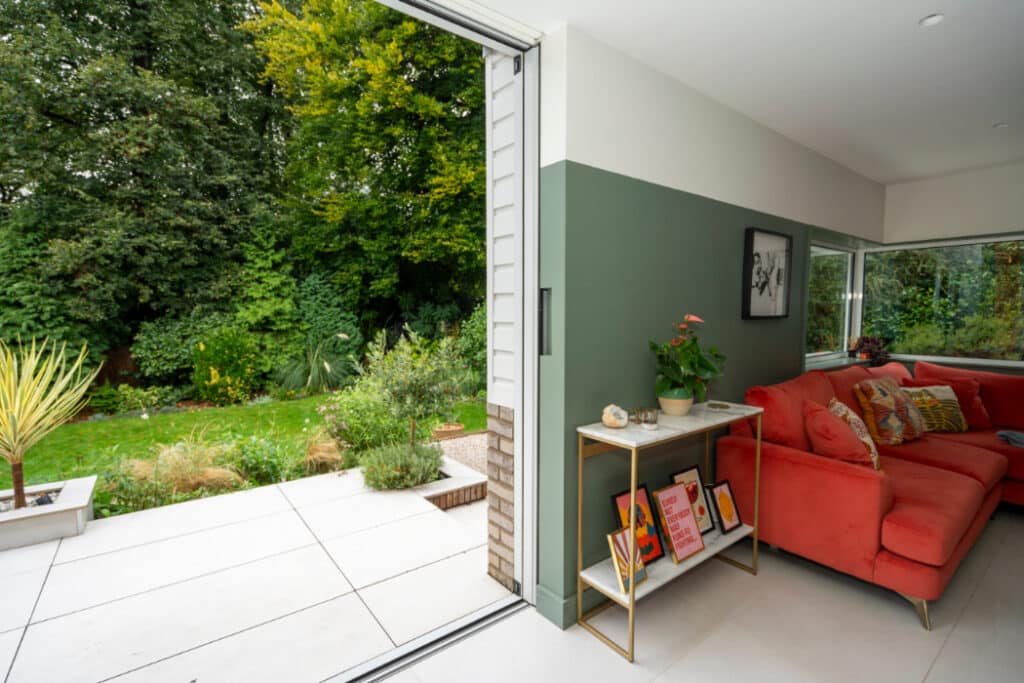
595 439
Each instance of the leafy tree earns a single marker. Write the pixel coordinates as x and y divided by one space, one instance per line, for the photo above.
386 171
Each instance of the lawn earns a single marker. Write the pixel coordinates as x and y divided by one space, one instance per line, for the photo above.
93 447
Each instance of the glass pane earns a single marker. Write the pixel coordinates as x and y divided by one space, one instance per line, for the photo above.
828 300
962 301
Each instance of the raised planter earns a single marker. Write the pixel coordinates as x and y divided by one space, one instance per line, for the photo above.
65 517
448 430
458 485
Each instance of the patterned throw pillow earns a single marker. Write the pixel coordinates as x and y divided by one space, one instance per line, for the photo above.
939 408
843 412
891 417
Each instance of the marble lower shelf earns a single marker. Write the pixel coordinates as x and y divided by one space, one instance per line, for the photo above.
601 576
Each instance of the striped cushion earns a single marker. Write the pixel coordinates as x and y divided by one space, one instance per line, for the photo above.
939 408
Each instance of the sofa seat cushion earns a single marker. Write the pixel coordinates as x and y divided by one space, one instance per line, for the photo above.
843 382
987 439
987 467
931 511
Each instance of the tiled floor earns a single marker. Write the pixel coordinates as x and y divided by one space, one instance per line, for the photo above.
793 622
296 582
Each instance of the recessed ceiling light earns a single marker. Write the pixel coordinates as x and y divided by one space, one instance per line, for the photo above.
1000 124
931 20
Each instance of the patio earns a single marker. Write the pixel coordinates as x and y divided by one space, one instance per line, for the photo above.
298 581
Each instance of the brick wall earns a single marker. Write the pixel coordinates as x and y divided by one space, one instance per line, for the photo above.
500 483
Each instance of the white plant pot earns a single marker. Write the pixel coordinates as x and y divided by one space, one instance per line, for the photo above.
676 407
66 517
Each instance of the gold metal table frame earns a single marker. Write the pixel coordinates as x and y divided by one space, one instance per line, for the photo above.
591 445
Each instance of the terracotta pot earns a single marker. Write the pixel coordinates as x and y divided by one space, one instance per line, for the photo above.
677 407
448 430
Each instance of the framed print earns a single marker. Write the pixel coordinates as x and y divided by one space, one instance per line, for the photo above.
695 489
646 523
618 541
678 522
725 507
767 260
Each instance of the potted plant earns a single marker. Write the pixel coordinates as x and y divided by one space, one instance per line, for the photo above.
684 368
38 393
872 349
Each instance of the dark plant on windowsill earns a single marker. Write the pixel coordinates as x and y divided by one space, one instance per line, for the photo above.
873 349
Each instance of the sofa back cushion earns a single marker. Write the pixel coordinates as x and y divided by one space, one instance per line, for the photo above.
844 413
842 382
832 437
894 371
783 421
968 395
891 417
1000 393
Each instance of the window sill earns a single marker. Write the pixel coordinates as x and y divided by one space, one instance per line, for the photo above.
958 361
831 361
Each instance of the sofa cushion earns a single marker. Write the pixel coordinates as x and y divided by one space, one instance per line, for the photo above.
783 421
1000 393
894 371
987 467
844 413
832 437
932 509
987 439
842 382
939 407
968 395
891 417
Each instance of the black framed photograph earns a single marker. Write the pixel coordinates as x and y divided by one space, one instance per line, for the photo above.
726 510
767 260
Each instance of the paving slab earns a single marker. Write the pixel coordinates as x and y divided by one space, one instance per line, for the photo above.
344 516
324 487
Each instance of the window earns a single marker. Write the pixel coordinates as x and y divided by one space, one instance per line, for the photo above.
958 300
828 301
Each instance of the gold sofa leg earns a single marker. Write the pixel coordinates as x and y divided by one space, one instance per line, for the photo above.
922 610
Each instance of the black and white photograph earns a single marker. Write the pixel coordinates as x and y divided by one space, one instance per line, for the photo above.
766 274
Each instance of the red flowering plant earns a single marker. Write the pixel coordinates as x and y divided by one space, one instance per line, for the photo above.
684 368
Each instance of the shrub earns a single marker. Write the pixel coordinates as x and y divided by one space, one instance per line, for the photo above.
123 491
224 366
318 369
925 339
432 320
981 336
146 398
187 466
259 460
360 417
163 348
324 454
104 399
400 466
323 311
472 346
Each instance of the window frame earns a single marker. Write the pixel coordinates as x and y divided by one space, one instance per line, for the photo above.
829 357
858 297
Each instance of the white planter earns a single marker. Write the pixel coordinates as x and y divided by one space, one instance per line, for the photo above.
676 407
66 517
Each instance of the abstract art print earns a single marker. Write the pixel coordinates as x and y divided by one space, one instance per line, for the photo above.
646 523
767 260
618 542
725 506
691 479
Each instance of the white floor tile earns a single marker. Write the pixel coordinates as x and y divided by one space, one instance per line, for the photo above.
420 601
124 531
19 560
111 639
345 516
8 646
380 553
474 517
102 578
305 647
18 593
324 487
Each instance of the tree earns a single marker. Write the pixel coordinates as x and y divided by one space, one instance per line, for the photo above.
138 145
386 171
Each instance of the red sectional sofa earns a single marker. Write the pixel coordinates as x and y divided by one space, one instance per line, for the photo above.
907 526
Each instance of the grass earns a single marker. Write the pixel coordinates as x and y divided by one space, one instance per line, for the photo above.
85 448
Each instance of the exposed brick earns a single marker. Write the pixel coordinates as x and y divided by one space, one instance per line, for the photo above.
501 520
493 410
508 540
502 491
492 440
508 568
494 531
506 446
506 477
493 471
507 414
500 428
507 508
502 552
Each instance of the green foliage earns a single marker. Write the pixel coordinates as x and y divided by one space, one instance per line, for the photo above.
163 347
925 339
826 302
120 492
315 371
224 366
361 417
684 368
420 378
986 337
432 320
385 179
472 346
260 460
401 466
146 399
104 399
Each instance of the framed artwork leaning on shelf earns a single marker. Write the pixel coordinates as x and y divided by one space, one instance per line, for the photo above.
682 534
694 484
647 539
725 507
618 541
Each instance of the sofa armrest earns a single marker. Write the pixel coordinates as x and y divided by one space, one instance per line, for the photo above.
826 510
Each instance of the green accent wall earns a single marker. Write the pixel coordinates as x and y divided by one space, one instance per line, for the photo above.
625 259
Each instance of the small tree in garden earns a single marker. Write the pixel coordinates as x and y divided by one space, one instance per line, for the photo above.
39 391
421 378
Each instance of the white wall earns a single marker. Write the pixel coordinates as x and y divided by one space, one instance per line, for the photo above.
602 108
983 202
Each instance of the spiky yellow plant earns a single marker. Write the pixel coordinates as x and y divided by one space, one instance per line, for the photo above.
39 391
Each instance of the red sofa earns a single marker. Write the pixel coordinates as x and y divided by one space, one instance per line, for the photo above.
907 526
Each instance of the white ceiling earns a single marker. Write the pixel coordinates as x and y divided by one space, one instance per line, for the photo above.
856 80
